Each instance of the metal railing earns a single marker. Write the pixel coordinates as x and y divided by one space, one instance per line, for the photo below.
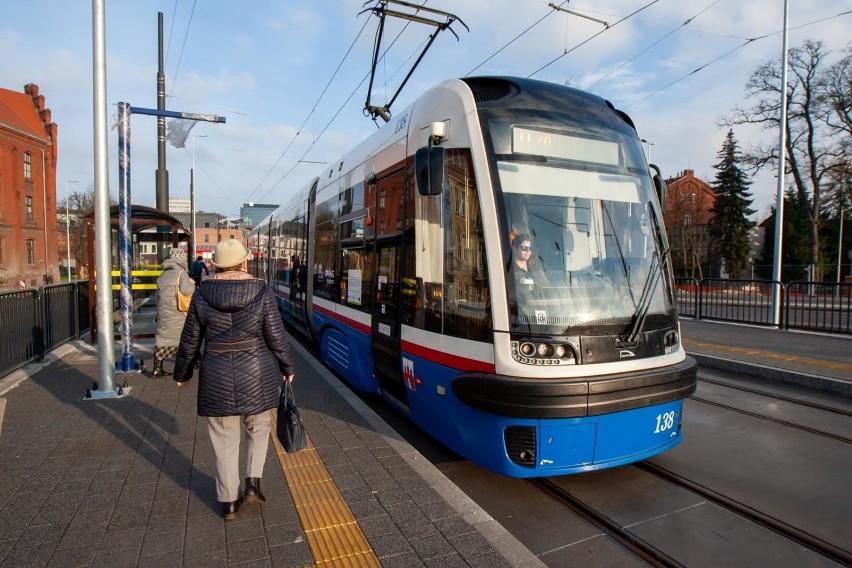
819 306
812 306
35 320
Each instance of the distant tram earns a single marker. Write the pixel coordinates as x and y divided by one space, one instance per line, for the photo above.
400 263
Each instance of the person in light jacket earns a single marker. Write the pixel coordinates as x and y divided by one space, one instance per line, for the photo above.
170 319
246 358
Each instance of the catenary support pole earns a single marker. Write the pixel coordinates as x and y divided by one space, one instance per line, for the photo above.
103 279
162 174
125 241
782 164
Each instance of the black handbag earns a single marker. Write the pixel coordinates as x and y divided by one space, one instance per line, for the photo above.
289 428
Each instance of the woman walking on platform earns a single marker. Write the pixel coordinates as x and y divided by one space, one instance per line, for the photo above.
245 360
169 317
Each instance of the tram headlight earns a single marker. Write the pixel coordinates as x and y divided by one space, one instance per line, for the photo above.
545 350
671 340
527 349
559 351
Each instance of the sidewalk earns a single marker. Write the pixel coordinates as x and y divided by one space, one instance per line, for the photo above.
823 362
129 482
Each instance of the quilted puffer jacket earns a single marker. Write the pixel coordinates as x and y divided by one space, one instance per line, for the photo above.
246 352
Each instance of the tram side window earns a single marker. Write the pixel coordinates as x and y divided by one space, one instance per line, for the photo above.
324 268
456 297
355 279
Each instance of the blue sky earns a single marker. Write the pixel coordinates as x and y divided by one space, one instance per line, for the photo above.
264 64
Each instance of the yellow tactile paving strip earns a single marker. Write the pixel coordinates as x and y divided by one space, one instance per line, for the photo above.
770 355
333 535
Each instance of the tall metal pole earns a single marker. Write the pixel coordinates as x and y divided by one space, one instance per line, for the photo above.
125 240
649 148
103 278
162 175
192 197
68 229
840 245
782 161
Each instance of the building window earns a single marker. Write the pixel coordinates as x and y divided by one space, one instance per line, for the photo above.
30 251
687 219
28 166
382 200
28 208
232 237
206 238
1 252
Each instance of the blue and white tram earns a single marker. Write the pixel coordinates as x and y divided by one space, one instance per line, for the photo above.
398 262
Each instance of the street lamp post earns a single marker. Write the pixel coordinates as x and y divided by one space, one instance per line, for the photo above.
192 196
68 229
649 148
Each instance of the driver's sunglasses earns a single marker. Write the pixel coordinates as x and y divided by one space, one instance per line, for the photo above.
525 249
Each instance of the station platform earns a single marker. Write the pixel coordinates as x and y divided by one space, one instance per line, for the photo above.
819 361
129 481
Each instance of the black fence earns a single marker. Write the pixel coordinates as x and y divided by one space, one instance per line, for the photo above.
34 321
812 306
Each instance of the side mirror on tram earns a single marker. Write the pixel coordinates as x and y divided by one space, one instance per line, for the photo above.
660 186
431 167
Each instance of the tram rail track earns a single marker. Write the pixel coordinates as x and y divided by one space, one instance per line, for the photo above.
787 423
776 396
786 530
642 549
656 557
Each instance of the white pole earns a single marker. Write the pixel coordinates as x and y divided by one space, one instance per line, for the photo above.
840 245
68 229
779 200
649 148
192 197
103 250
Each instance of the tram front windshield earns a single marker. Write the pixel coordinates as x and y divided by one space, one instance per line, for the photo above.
583 234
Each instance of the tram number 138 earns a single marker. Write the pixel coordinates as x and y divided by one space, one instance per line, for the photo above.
665 421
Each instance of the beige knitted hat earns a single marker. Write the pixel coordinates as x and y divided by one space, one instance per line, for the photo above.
229 253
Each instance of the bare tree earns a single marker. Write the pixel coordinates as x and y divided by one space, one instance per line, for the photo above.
80 205
812 150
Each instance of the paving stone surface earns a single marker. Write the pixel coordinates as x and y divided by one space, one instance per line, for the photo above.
130 482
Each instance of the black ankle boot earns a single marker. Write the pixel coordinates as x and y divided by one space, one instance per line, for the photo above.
253 494
230 509
158 370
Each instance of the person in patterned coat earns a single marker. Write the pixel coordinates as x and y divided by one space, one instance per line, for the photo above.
245 360
170 319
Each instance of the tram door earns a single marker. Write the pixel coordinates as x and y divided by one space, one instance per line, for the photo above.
386 324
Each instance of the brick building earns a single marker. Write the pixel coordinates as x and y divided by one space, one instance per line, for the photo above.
28 224
688 213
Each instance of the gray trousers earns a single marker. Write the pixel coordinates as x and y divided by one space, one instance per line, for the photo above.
225 437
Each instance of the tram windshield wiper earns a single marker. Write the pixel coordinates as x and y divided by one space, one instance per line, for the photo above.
659 262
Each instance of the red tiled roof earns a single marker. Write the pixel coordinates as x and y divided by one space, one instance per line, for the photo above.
18 112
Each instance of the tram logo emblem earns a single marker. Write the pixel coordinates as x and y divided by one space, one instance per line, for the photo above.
408 373
626 354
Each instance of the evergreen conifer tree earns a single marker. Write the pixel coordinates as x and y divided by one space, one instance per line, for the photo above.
729 228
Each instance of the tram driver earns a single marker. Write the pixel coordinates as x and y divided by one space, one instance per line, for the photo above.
524 273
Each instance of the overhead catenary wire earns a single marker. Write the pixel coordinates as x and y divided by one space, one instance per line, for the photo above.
182 47
590 38
336 114
683 25
730 51
313 109
514 39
